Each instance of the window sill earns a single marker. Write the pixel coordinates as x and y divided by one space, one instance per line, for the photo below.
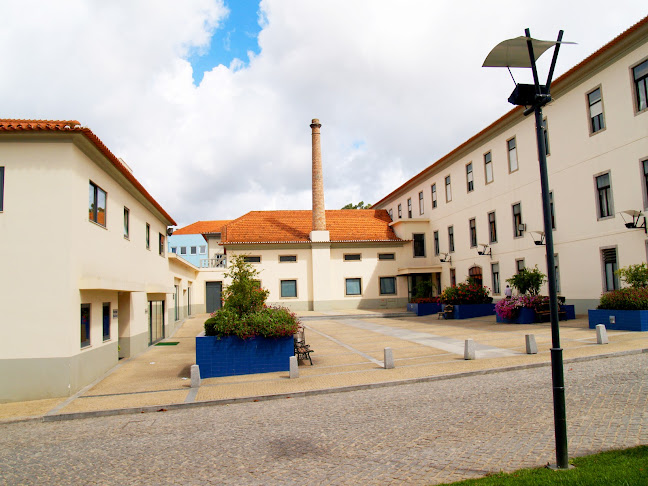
97 224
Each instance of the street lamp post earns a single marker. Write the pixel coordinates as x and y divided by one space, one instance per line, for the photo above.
509 54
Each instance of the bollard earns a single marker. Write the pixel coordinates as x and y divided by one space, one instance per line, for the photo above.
531 346
389 359
195 376
601 334
469 350
294 368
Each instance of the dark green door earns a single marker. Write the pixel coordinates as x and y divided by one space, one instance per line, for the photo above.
213 296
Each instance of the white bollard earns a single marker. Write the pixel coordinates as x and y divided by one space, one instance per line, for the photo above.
195 376
294 368
389 359
469 350
601 334
531 346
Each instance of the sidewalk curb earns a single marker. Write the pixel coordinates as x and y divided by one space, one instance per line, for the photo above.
309 393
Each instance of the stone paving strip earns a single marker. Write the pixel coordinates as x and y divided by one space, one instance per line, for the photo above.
349 354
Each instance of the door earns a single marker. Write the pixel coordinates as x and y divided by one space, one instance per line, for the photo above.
156 321
475 273
213 292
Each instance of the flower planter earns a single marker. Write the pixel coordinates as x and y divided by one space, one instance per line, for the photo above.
624 320
424 309
528 315
468 311
232 355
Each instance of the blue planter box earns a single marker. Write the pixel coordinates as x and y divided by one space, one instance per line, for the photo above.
232 355
467 311
624 320
528 316
424 309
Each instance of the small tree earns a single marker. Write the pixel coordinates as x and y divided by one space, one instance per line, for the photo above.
423 290
244 295
360 205
528 281
636 276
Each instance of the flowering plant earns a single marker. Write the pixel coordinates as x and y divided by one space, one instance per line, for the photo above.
510 308
633 298
465 293
425 300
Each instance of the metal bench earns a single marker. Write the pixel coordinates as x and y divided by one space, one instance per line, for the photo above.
447 312
302 350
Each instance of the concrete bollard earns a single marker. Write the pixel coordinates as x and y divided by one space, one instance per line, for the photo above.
601 334
195 376
469 350
294 368
531 346
389 359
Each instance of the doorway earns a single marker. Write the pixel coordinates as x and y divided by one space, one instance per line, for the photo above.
213 292
475 274
156 321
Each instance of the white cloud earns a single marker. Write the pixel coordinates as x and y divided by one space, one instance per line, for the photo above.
404 78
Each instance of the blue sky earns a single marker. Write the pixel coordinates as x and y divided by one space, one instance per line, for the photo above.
232 40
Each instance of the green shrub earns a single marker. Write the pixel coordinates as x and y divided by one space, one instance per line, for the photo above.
625 299
528 281
635 276
244 295
465 293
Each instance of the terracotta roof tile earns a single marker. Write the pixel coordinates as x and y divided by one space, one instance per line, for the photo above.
295 226
202 227
18 125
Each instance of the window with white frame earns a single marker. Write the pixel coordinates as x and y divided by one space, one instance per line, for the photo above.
472 224
421 203
203 249
174 249
518 226
194 250
511 146
448 189
640 76
451 239
434 196
409 207
97 211
288 288
519 265
604 196
183 250
488 167
161 245
495 273
470 183
595 102
436 243
419 244
492 228
353 286
610 267
387 285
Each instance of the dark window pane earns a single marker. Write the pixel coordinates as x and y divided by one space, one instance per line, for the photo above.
85 325
288 258
289 288
352 257
252 259
386 256
353 286
419 245
106 321
387 285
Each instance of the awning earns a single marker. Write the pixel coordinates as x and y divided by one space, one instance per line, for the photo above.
418 270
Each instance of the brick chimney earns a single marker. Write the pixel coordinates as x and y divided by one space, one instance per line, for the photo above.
319 215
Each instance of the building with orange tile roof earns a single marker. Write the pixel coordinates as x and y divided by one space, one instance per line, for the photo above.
190 242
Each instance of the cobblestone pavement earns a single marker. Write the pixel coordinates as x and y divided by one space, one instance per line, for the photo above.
425 433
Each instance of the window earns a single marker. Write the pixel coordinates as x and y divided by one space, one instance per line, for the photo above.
492 228
436 243
557 270
106 321
353 286
387 285
644 166
400 211
512 154
434 196
496 278
421 208
194 250
1 189
519 265
288 288
640 75
148 236
126 222
287 258
545 135
604 193
161 245
419 244
470 183
97 211
391 214
174 249
448 189
597 123
473 232
450 239
409 207
252 259
85 325
183 250
518 227
202 249
453 277
551 210
610 267
352 257
386 256
488 167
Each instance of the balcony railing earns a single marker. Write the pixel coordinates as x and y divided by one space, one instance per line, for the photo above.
219 261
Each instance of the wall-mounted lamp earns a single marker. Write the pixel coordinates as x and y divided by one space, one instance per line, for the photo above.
486 250
636 217
538 237
169 231
447 258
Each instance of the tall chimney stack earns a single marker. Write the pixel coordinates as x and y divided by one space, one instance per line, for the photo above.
319 215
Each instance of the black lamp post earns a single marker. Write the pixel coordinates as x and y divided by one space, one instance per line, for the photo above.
523 52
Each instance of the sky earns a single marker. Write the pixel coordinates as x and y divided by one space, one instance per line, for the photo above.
210 101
